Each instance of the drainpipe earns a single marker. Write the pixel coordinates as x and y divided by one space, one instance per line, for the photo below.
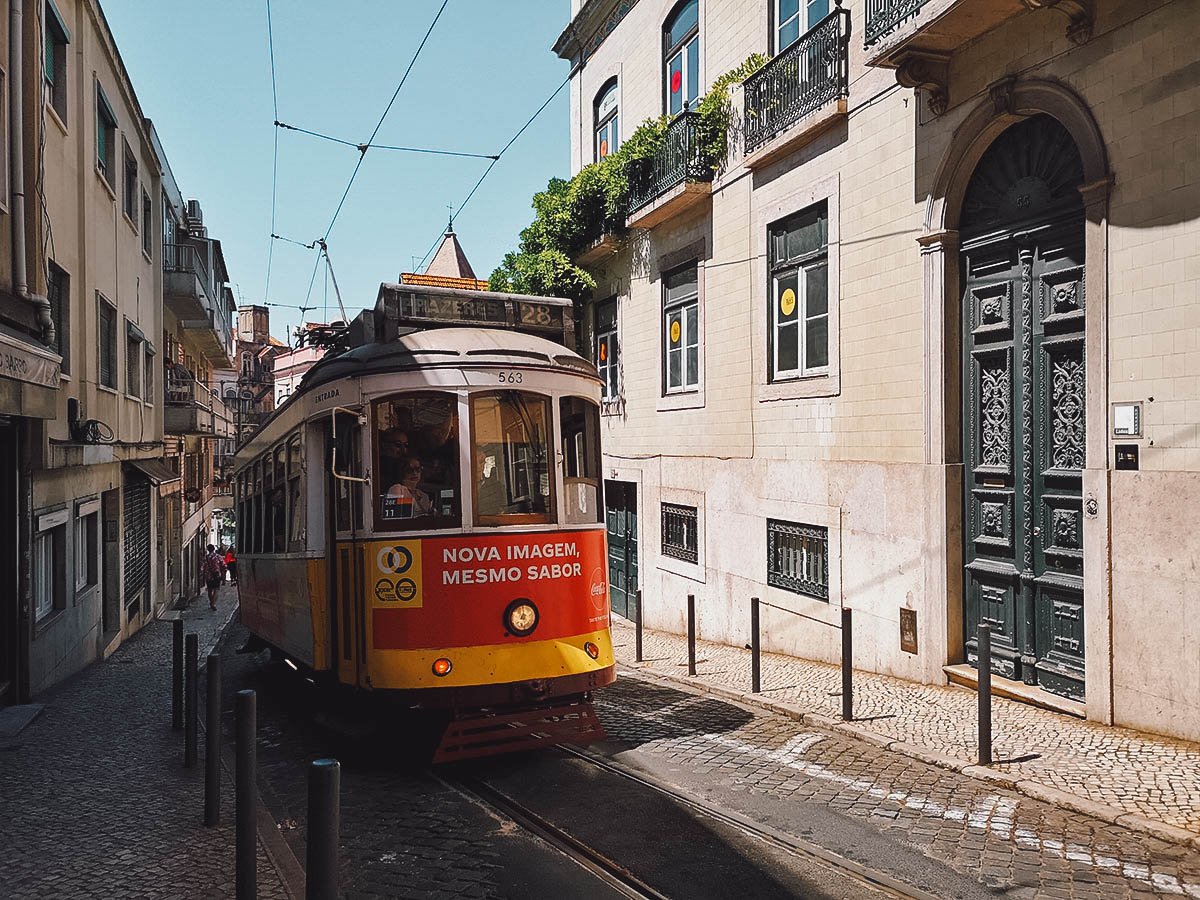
16 107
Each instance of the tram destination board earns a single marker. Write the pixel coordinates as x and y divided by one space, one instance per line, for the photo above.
422 306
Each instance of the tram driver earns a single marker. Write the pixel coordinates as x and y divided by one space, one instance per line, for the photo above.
413 501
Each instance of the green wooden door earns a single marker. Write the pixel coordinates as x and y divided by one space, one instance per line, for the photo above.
1024 393
620 499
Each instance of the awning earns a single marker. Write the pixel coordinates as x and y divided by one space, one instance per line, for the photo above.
159 472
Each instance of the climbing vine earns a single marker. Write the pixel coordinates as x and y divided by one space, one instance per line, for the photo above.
572 214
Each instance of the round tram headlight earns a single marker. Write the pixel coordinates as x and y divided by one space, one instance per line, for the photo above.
521 617
442 667
591 650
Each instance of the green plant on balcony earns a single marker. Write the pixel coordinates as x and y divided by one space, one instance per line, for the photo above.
572 214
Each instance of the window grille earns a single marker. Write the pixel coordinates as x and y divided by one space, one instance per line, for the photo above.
798 558
679 532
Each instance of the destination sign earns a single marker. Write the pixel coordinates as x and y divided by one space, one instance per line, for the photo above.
480 311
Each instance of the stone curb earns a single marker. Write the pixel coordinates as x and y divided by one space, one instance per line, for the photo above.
1033 789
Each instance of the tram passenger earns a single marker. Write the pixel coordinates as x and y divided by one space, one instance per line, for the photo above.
413 501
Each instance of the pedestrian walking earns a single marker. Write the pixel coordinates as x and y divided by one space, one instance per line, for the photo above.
212 572
231 564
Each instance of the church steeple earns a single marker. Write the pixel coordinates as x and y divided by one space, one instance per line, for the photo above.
450 261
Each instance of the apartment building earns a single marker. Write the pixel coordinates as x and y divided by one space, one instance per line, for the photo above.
924 344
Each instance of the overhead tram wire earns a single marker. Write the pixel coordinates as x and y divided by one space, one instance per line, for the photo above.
366 146
361 148
495 160
274 154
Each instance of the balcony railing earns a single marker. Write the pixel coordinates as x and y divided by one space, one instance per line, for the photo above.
885 16
678 160
186 258
812 72
193 408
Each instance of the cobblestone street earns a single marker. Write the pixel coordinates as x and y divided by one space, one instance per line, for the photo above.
1145 780
96 801
1006 840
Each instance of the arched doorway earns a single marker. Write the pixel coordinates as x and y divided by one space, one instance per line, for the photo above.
1024 404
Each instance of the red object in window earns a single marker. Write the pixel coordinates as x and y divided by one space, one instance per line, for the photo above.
603 352
603 149
676 81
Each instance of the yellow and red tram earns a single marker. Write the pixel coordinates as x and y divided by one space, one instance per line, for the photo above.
424 517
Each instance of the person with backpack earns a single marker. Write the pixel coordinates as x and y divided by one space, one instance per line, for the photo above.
212 573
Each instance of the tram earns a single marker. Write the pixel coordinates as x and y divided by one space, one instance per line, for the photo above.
423 519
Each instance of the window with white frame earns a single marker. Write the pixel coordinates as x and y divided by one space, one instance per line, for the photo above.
799 294
681 330
606 352
607 135
681 57
794 17
49 566
87 545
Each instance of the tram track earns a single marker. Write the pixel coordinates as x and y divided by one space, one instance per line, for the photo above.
622 879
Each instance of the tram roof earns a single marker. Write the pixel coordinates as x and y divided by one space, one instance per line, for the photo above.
447 347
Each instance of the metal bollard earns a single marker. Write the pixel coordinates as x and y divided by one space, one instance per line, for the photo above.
177 674
691 634
637 628
985 695
212 745
245 780
755 650
192 714
847 667
324 826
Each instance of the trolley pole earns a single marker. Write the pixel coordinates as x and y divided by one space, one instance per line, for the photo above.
192 691
212 745
847 667
985 695
324 826
246 776
691 614
177 675
755 649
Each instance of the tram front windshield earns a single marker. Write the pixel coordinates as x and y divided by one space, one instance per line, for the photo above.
417 462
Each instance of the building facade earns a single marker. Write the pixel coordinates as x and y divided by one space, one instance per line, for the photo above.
86 383
925 345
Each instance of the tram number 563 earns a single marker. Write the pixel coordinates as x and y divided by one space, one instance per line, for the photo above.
510 377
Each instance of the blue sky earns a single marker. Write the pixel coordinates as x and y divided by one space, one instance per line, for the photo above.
202 73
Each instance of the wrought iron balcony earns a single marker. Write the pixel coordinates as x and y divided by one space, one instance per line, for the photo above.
679 160
809 75
886 16
193 408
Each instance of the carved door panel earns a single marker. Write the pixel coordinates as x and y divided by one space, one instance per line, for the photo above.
1024 428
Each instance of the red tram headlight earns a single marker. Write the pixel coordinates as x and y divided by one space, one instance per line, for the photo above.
591 650
442 667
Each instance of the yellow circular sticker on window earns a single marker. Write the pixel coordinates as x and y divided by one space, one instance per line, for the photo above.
787 303
675 332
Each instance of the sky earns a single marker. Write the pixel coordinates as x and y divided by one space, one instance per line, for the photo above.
202 73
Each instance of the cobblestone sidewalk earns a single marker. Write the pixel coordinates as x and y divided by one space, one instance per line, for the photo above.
1141 781
96 802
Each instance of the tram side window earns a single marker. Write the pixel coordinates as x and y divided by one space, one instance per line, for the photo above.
295 496
277 502
416 458
256 511
266 502
581 460
511 458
